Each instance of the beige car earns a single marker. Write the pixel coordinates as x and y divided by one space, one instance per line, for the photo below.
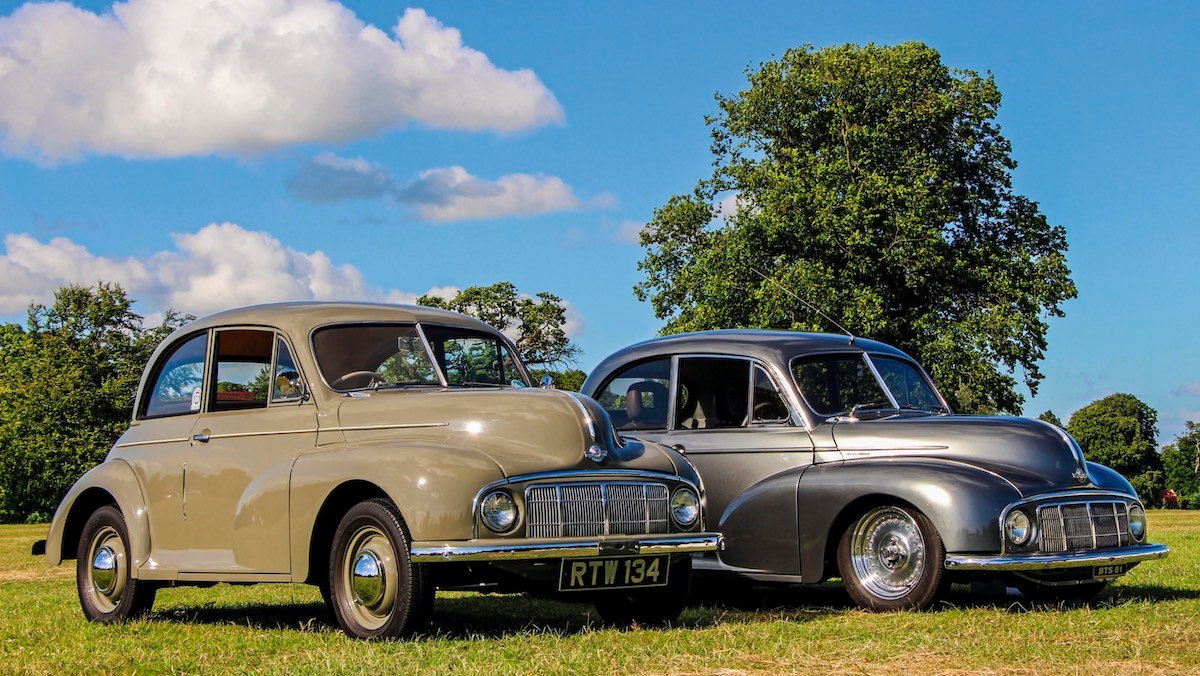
379 452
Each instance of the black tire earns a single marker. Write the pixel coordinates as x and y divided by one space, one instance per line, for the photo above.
379 593
649 607
1041 594
108 592
892 558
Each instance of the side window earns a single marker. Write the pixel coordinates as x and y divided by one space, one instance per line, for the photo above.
639 398
242 377
179 380
287 385
768 405
714 393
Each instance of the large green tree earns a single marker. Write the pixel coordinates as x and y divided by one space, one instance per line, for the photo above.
1121 431
1181 473
874 183
537 324
67 382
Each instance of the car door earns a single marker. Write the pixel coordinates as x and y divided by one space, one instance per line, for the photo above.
257 420
157 442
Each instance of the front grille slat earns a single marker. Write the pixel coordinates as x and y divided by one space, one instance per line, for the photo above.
596 508
1078 526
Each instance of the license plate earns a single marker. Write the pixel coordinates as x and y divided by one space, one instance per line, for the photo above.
1109 571
616 572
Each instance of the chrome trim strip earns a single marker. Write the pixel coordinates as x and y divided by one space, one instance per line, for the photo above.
485 550
127 444
1057 561
395 426
234 435
587 417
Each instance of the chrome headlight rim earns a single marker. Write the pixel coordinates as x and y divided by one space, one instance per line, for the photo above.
499 512
1019 528
1137 514
685 506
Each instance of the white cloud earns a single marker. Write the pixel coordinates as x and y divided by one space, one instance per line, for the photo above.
442 194
630 231
155 78
217 267
728 206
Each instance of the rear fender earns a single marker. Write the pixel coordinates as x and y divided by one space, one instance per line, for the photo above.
110 482
963 501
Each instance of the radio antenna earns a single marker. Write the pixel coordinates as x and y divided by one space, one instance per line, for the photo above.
807 304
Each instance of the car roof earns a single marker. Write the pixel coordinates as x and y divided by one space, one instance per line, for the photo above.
298 318
768 345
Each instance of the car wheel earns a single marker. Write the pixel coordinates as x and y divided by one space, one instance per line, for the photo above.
376 590
108 592
891 558
649 607
1054 595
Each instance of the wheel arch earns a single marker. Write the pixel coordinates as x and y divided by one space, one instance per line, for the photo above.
110 483
339 501
961 500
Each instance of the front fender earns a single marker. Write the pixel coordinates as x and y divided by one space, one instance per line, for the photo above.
433 484
1109 479
963 501
110 481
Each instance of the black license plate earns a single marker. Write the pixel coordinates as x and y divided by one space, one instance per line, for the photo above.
1109 571
615 572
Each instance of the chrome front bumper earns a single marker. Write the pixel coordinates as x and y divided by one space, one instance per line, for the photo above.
1057 561
565 548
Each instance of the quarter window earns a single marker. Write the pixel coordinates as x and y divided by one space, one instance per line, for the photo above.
714 393
639 397
768 405
287 385
179 380
242 377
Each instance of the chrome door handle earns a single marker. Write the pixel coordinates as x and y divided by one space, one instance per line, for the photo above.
202 438
679 447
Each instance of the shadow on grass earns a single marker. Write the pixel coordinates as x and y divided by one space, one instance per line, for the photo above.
501 615
457 617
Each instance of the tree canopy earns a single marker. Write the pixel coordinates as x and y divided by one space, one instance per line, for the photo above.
1121 431
67 384
873 182
1048 416
536 324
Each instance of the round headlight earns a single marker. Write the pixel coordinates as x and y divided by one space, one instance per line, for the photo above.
1017 527
1137 522
499 511
685 506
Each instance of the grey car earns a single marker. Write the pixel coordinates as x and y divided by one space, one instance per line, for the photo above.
823 456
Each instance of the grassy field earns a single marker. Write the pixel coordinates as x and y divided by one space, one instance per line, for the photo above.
1147 622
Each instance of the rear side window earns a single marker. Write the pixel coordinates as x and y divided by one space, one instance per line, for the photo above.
639 397
242 377
178 383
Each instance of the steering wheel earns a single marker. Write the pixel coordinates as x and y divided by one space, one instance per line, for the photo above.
761 411
372 377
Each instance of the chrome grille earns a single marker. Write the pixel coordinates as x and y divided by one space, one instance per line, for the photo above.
1083 525
590 509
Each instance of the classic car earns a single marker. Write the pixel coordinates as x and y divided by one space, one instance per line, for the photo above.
827 456
379 452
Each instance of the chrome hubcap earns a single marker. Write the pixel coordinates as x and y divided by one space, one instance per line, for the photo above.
367 580
888 552
108 570
370 577
104 569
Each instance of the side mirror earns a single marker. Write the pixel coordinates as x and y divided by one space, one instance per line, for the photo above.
547 382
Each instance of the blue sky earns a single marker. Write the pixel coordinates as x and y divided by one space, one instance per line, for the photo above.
595 113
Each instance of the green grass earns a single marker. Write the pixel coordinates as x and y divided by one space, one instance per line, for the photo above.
1149 621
